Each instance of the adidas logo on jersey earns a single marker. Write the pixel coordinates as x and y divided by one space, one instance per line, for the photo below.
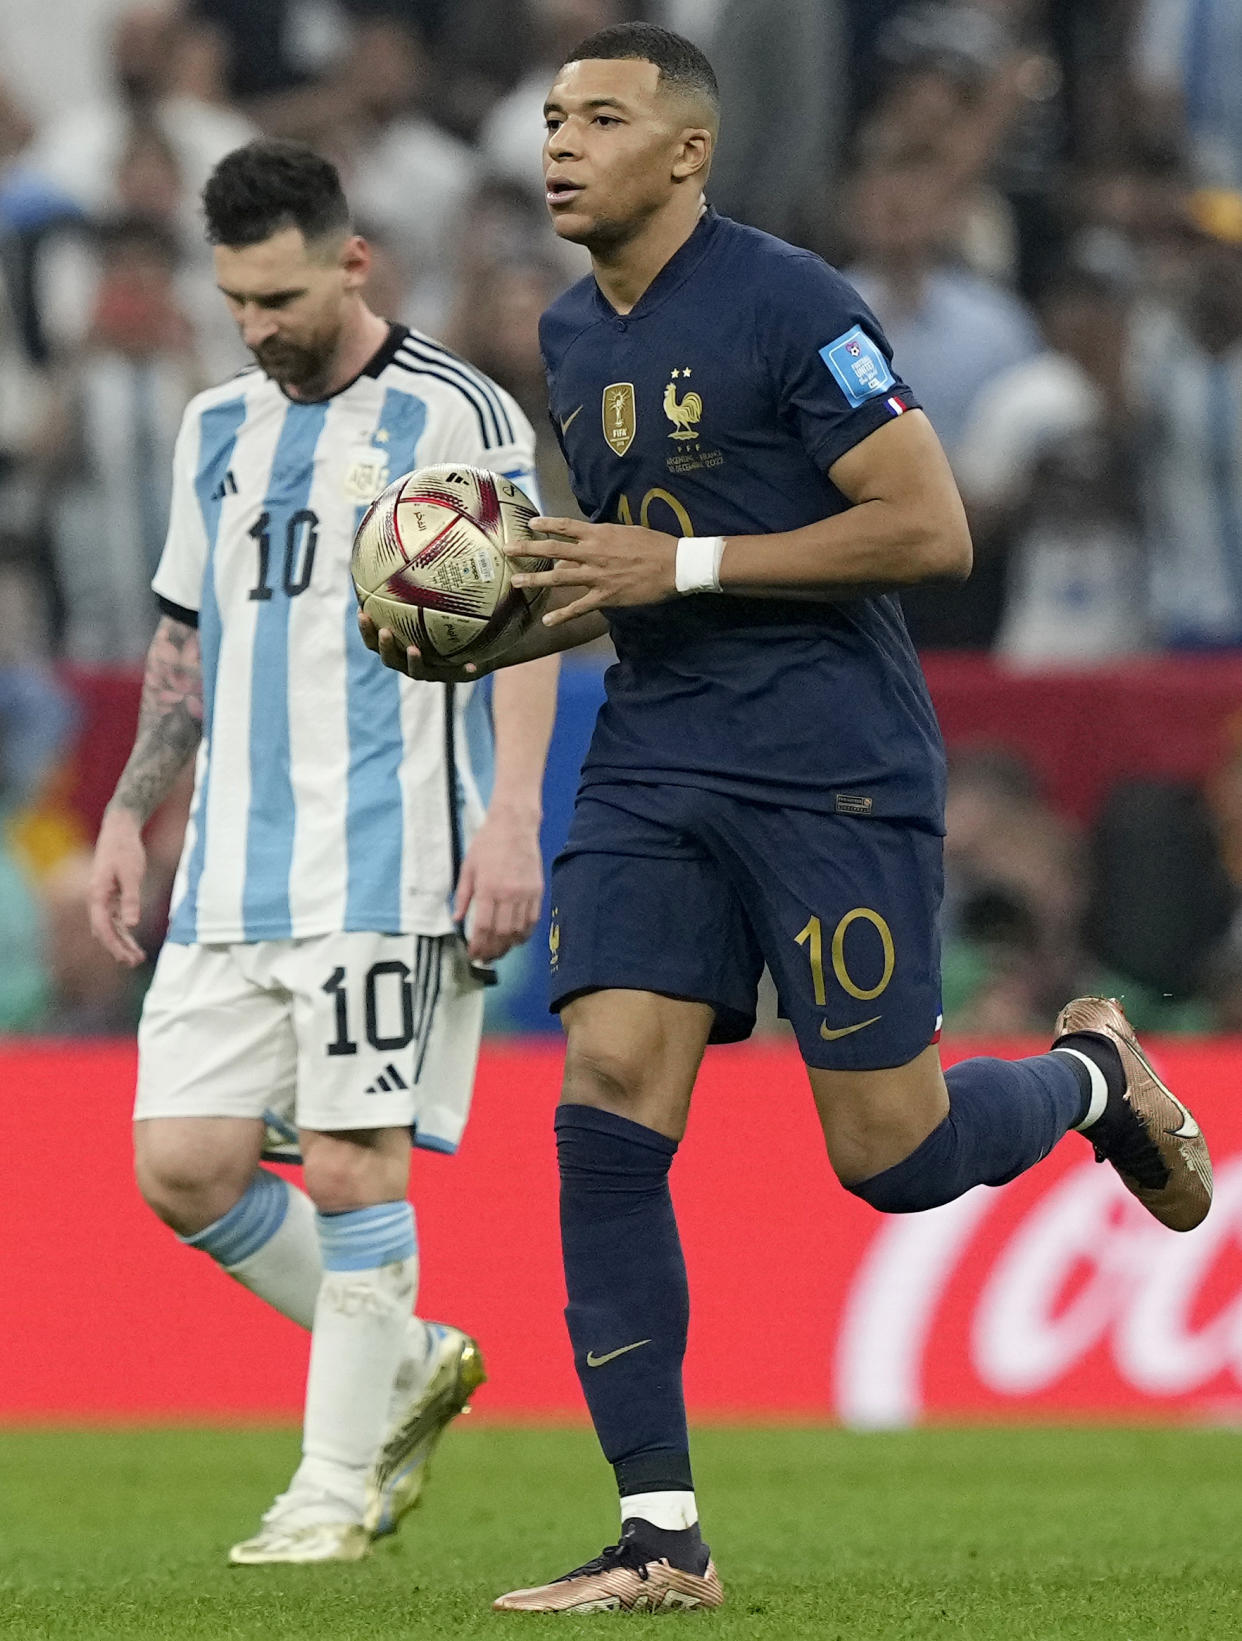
388 1080
226 487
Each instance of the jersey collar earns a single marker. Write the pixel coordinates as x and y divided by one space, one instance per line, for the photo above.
379 360
674 273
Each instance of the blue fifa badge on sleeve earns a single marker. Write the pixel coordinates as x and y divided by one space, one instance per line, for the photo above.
860 368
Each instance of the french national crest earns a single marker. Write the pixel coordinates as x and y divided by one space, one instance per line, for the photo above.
620 416
684 413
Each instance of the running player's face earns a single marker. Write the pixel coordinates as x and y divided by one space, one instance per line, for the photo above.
288 301
614 149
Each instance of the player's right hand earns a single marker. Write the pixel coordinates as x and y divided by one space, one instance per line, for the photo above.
388 647
114 895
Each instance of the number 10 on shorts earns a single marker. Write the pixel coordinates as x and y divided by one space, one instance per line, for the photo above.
389 1001
812 937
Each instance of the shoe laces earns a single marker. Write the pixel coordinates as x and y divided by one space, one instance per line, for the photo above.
627 1552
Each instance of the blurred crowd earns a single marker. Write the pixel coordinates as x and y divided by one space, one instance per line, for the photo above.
1041 199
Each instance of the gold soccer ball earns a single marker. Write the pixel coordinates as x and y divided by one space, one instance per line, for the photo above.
427 562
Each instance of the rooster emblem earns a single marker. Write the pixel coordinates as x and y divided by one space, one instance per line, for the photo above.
684 413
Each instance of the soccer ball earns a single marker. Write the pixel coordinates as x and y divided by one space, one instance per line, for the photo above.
427 562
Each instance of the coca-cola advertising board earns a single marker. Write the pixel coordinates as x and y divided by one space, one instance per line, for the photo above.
1055 1297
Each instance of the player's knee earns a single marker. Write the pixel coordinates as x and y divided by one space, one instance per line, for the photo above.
187 1188
608 1079
343 1174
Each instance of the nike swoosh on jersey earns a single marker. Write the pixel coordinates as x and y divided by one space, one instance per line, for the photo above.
830 1035
566 420
598 1361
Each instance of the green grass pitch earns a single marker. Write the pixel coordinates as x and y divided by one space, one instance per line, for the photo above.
1117 1535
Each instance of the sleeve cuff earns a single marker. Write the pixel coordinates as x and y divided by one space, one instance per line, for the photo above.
841 439
178 612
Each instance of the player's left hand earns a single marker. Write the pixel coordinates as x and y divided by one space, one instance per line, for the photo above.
501 884
616 565
408 660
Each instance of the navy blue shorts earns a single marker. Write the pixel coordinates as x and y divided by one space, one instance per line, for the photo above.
688 893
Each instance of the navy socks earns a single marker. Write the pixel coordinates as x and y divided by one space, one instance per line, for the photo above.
629 1307
1004 1115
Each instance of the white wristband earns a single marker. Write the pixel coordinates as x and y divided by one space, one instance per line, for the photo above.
697 567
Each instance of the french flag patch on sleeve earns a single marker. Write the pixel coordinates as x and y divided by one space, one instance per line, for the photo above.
898 407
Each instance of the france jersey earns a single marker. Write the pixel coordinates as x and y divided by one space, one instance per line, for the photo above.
716 407
331 794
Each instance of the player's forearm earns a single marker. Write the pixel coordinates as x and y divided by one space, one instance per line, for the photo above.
170 720
523 712
874 546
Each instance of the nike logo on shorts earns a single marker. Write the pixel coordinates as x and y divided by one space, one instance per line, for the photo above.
598 1361
830 1035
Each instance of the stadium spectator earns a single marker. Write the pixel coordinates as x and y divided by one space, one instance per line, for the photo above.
81 150
1042 467
780 55
404 170
1186 370
1014 888
954 331
496 327
509 137
1188 74
945 100
120 404
269 46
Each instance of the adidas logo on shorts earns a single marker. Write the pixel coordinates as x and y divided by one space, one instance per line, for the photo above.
388 1080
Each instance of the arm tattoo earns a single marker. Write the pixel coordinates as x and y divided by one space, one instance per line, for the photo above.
170 719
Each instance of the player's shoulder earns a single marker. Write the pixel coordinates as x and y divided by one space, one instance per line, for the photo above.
221 412
241 385
422 366
774 275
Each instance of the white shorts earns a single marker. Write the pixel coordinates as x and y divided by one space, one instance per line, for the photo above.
341 1031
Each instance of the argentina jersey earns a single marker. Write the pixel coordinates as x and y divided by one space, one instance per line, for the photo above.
717 406
331 794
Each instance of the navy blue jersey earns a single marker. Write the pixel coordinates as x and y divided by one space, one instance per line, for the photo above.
716 407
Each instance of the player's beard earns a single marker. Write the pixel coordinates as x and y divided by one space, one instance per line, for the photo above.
306 369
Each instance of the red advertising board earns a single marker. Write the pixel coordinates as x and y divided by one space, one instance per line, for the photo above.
1054 1297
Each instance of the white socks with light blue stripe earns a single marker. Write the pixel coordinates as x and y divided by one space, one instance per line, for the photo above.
370 1277
268 1242
351 1279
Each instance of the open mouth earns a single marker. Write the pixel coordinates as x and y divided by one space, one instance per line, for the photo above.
559 190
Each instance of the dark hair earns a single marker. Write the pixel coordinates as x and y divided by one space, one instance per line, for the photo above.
268 185
680 62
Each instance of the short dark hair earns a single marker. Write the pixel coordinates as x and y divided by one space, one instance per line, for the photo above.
268 185
680 62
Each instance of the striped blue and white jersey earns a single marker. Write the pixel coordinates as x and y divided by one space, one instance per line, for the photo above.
330 792
1190 402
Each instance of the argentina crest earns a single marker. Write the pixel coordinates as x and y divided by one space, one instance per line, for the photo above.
619 415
